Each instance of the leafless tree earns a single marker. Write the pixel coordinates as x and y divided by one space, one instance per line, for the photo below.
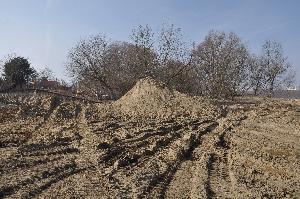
171 49
87 65
166 58
289 79
142 51
182 78
256 75
275 65
102 67
45 73
127 65
221 64
1 78
1 82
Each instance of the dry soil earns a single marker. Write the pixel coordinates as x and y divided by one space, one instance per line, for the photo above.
151 143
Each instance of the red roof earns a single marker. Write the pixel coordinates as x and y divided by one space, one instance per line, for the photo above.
49 83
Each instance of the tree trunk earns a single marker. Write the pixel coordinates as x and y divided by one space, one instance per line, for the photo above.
271 89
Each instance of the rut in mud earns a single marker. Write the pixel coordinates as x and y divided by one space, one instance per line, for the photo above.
151 143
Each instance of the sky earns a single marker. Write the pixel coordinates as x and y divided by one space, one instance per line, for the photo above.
45 30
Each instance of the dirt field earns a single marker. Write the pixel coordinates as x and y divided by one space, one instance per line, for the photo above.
151 143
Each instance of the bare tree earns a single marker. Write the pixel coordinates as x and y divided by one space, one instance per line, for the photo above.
101 67
172 49
182 78
275 65
221 64
126 65
45 73
1 78
289 79
143 52
256 75
167 58
1 82
87 65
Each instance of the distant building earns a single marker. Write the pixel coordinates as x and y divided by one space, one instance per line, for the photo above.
45 84
48 84
292 88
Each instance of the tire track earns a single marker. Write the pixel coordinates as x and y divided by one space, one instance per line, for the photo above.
35 183
221 181
187 144
88 144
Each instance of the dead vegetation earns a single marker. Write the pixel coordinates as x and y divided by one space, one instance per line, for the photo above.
220 66
151 143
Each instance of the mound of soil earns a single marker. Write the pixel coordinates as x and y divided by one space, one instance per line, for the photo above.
151 143
149 99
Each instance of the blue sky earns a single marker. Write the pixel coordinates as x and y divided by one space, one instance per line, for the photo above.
44 30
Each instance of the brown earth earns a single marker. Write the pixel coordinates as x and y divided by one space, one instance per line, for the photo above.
151 143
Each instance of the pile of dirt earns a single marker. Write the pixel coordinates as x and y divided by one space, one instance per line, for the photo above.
150 99
151 143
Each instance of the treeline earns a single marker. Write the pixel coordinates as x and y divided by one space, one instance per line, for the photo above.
221 66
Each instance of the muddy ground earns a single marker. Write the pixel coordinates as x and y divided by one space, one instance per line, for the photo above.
151 143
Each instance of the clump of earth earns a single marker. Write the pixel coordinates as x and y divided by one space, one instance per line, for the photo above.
151 143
